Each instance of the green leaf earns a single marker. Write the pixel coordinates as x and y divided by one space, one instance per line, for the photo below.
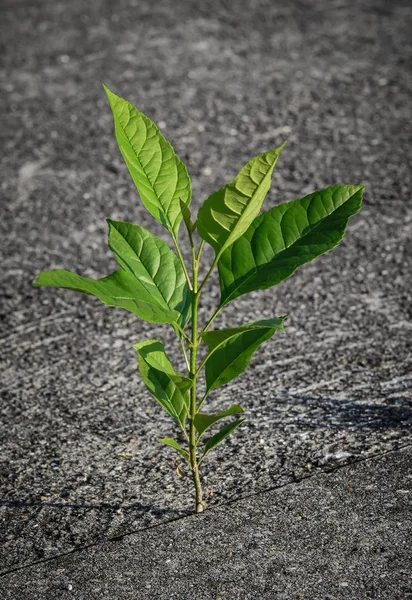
159 175
173 444
153 263
166 386
187 218
120 289
202 421
220 436
230 350
227 213
285 237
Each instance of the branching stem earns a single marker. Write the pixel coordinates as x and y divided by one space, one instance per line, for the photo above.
193 344
193 399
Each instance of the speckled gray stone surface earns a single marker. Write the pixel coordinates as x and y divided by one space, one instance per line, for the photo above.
224 81
344 535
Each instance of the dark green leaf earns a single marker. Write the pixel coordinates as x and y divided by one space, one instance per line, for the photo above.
187 217
120 289
220 436
159 175
156 267
230 350
227 213
285 237
202 421
173 444
166 386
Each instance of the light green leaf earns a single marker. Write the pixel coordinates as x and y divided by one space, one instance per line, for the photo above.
285 237
120 289
154 265
159 175
227 213
176 446
220 436
166 386
202 421
230 350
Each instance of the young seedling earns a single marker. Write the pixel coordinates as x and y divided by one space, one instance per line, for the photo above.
252 253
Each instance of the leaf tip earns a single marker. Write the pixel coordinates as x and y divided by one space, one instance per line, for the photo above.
41 279
106 89
110 95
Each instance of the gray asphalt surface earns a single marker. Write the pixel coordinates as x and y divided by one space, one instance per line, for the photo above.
224 81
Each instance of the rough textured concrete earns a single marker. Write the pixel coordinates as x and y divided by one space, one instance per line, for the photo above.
225 81
341 536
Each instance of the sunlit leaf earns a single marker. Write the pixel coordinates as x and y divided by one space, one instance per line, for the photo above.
220 436
176 446
159 175
285 237
166 386
203 421
154 265
227 213
230 350
120 289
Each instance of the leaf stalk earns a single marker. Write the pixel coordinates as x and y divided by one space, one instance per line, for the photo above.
182 260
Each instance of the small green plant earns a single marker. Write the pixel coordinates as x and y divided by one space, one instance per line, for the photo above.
251 253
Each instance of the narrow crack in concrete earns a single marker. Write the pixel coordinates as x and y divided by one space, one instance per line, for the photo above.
226 503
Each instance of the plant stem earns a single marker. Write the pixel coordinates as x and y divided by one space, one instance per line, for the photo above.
208 274
212 318
182 260
202 400
182 332
202 243
185 354
193 375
